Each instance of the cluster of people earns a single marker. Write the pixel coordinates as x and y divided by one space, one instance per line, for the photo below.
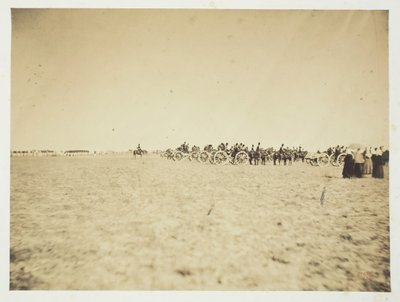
225 147
287 154
335 151
360 162
184 148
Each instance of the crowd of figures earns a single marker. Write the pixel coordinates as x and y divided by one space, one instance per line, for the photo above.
358 163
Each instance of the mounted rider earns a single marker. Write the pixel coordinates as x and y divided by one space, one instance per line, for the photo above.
138 151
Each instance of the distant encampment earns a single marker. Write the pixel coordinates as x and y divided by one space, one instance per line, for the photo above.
34 153
71 153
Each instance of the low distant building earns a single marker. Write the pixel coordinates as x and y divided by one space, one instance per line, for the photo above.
76 152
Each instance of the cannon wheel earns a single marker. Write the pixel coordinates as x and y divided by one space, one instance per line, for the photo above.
340 159
194 155
221 158
242 158
204 156
211 158
333 161
178 155
323 160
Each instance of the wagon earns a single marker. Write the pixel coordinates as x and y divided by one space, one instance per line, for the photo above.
205 156
241 158
318 159
194 155
169 154
340 159
179 155
323 159
223 158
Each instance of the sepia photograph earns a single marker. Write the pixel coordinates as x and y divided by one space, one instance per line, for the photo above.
199 150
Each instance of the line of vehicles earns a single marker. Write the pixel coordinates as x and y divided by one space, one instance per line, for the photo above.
244 157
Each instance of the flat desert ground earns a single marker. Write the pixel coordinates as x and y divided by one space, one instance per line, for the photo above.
116 223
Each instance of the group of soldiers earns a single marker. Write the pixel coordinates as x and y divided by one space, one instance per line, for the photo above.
257 154
184 148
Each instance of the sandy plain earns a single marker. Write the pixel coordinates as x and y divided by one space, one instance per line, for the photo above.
115 223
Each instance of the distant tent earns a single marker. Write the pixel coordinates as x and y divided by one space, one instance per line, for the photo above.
76 152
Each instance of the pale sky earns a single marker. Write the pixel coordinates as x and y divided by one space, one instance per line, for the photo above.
110 79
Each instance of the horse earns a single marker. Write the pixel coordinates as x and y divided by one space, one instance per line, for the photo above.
251 156
137 152
277 156
301 155
264 155
289 157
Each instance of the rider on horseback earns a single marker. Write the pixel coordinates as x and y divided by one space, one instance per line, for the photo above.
138 151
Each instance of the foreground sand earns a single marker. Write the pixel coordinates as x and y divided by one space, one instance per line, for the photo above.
118 223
